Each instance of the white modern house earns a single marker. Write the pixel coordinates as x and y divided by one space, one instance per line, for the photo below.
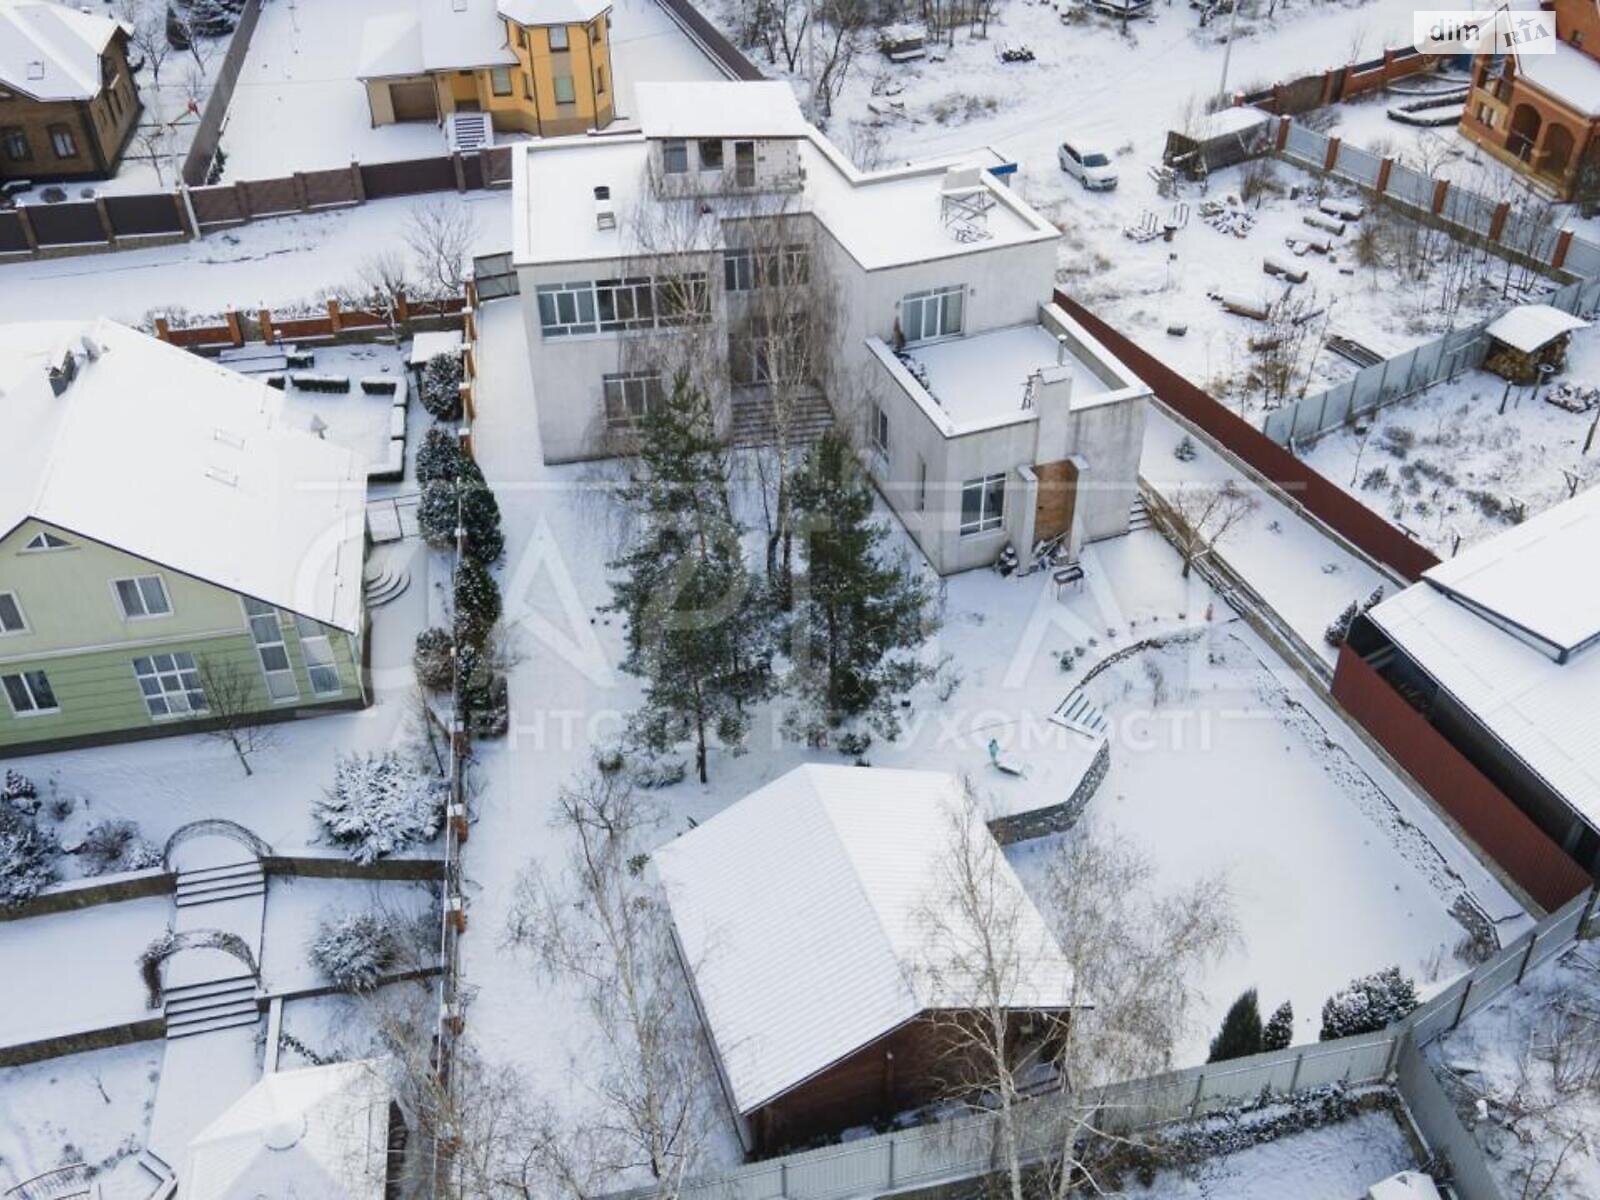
985 414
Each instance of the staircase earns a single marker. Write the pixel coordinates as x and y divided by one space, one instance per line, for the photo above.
230 882
1138 515
753 424
469 131
166 1183
388 583
202 1007
1078 715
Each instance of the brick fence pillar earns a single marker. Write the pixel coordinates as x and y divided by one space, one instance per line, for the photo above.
402 308
300 197
163 329
1331 159
241 200
106 227
1497 222
1441 189
264 319
28 234
1384 168
235 329
358 187
1283 133
335 322
1563 242
460 169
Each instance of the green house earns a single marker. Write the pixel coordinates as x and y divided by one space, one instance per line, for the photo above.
174 555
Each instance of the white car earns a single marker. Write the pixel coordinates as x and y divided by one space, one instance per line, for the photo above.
1092 169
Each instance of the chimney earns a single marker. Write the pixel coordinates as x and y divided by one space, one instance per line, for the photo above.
61 376
605 217
1061 349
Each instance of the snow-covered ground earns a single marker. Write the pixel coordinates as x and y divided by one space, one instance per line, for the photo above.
1448 463
354 419
1525 1074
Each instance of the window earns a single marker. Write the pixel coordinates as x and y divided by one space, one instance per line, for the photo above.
744 164
710 151
880 430
632 396
674 156
62 141
682 299
318 650
170 684
922 484
143 596
744 270
267 633
565 92
527 86
11 614
625 304
931 314
29 692
758 354
500 81
47 541
566 308
558 37
15 145
983 504
599 81
739 270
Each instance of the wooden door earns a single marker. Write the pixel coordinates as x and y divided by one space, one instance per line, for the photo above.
1058 495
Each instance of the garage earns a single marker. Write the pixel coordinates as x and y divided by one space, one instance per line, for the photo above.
414 101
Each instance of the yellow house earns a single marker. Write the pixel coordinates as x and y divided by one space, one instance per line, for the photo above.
531 66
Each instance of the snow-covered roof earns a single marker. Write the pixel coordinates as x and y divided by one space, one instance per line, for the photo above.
1510 629
553 12
52 52
180 461
433 35
803 913
881 219
1226 121
1407 1185
1527 327
720 109
317 1132
1567 74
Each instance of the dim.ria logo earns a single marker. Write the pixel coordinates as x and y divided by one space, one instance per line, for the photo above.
1500 31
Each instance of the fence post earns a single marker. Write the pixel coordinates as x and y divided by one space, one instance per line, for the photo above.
264 319
1388 1059
358 187
300 196
1559 254
163 329
1283 134
1441 187
1331 159
1461 1009
334 322
26 222
105 220
1199 1088
461 171
235 329
783 1177
1588 911
1533 940
1294 1079
891 1162
1384 167
1497 222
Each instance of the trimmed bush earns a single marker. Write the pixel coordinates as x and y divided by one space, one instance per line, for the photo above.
1368 1004
353 950
441 386
477 603
379 805
432 661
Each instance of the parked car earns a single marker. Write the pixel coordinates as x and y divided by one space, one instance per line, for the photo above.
1090 167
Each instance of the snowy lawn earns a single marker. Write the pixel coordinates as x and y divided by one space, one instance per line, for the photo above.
92 1107
1337 1162
354 419
296 907
1526 1080
1449 463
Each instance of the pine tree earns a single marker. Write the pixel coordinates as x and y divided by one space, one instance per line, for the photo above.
697 627
477 603
441 457
1278 1033
478 512
441 386
1240 1034
858 619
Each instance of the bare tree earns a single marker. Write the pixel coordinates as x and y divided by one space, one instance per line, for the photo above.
1284 352
599 924
841 23
147 30
233 709
440 234
1205 514
380 286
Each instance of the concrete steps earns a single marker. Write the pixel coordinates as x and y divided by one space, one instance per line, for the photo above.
390 583
1138 515
229 882
1077 714
204 1007
753 425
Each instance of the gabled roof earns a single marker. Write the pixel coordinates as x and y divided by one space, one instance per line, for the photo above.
804 911
553 12
52 52
177 460
1510 630
433 35
316 1132
720 108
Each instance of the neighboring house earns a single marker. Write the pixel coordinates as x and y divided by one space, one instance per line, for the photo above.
825 949
984 412
68 103
1498 652
1540 113
164 531
533 66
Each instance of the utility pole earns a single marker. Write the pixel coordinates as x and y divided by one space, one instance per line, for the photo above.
1227 53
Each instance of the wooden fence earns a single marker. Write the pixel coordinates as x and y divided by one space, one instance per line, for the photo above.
264 325
1342 83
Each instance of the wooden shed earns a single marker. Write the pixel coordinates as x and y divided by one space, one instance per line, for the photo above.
1530 342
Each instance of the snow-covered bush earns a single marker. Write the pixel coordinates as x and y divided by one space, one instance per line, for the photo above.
1185 450
117 846
27 857
352 950
478 511
1368 1004
486 704
379 804
19 792
477 603
432 661
660 772
441 386
1336 633
441 457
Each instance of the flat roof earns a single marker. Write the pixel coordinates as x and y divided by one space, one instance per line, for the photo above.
979 378
812 920
881 219
719 108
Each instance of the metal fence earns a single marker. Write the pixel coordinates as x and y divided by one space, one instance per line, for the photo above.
1406 374
967 1147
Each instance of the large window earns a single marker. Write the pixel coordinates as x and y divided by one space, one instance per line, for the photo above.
682 299
267 633
11 620
625 303
142 596
983 504
759 354
558 37
566 93
14 145
674 156
62 141
931 314
317 647
500 81
744 270
170 684
631 396
29 692
566 308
